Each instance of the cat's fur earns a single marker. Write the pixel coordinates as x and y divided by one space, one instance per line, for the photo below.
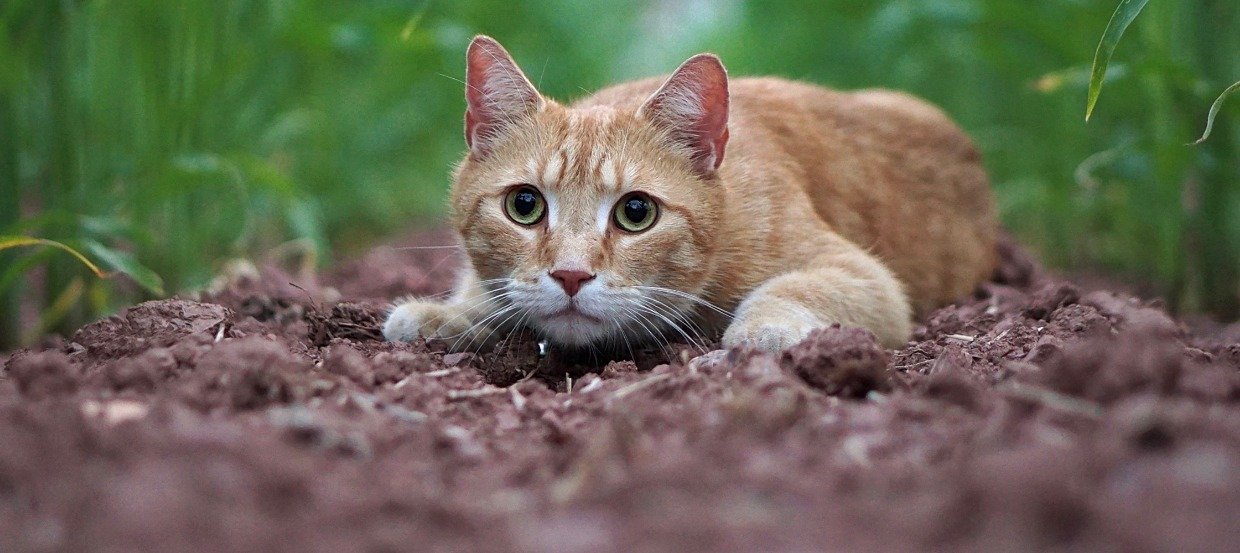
788 205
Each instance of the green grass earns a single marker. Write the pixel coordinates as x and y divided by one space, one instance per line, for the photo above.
176 135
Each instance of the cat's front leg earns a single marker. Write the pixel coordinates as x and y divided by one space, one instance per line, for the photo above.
845 285
461 321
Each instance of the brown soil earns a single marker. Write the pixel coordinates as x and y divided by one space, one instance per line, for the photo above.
266 417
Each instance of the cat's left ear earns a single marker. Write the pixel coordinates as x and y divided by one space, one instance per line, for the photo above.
692 106
497 94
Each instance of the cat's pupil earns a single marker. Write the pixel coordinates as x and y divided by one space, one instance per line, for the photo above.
635 209
524 203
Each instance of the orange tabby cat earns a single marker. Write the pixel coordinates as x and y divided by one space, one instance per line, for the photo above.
666 209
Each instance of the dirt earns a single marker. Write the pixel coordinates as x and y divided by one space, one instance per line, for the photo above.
269 416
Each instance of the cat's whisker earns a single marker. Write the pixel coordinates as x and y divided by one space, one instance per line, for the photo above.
622 330
686 296
625 337
494 281
692 341
662 337
508 310
486 339
479 300
680 314
683 318
469 304
441 296
449 294
520 323
469 332
641 320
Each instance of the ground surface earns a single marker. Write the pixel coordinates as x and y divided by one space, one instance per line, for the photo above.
270 417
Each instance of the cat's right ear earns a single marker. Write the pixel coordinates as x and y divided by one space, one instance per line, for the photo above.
497 93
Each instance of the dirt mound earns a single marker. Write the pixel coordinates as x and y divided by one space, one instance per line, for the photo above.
267 416
150 324
841 361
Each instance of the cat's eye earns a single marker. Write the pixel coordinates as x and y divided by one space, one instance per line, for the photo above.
524 205
635 212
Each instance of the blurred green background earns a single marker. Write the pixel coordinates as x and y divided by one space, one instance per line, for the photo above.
175 135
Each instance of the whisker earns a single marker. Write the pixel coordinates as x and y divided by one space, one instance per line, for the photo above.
468 333
692 341
620 334
681 317
516 311
627 343
476 301
481 299
444 296
687 296
623 332
520 323
640 318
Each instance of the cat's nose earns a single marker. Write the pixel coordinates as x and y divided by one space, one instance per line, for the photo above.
571 280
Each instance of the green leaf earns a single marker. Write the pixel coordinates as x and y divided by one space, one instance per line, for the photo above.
123 262
1123 16
1218 104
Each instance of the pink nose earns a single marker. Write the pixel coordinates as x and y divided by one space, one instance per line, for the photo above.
571 280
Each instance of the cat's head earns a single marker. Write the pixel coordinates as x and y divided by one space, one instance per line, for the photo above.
592 224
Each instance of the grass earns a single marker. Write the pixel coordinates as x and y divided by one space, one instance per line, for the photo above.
174 136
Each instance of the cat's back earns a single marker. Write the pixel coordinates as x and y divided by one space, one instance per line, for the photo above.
888 171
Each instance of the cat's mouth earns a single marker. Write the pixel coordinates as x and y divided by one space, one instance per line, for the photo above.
572 313
571 326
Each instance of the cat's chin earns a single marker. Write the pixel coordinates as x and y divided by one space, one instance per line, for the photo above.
574 329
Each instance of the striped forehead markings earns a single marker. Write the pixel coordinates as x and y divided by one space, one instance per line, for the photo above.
609 175
553 168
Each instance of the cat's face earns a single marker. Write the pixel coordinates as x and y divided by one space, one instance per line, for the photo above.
591 225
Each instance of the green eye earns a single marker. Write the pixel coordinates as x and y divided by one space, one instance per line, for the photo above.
635 212
525 205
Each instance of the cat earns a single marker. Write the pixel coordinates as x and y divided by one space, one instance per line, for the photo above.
673 209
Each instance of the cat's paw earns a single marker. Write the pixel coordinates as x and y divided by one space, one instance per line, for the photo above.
768 333
429 320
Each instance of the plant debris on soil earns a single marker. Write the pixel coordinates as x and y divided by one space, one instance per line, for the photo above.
268 415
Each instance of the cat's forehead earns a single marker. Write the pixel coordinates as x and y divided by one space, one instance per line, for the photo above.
591 115
588 152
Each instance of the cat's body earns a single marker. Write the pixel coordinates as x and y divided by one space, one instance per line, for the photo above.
828 207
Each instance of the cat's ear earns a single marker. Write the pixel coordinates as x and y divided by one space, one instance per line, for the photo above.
693 107
497 93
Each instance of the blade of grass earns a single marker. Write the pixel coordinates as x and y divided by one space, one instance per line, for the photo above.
7 242
121 262
1214 108
1120 20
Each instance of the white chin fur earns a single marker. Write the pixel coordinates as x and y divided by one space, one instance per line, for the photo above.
576 331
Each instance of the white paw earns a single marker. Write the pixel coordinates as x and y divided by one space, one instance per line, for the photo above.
429 320
768 334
